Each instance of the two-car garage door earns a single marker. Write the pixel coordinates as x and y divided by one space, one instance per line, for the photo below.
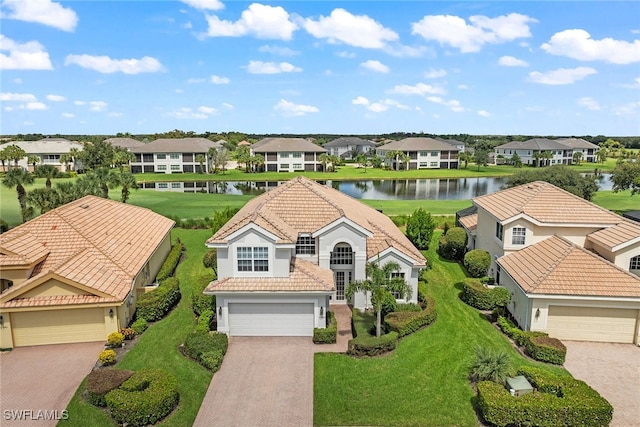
592 324
270 319
58 326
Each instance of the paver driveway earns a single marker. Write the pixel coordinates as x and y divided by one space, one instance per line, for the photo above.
42 378
614 371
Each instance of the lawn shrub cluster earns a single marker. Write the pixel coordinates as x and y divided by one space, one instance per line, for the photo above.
140 325
538 344
408 322
206 348
557 401
115 339
363 343
107 357
156 304
170 264
199 301
329 334
128 333
453 244
475 294
102 381
191 223
205 320
477 262
146 397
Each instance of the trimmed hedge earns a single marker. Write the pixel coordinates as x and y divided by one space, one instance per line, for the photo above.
475 294
364 344
204 321
200 346
145 398
140 325
546 349
518 335
199 301
408 322
212 360
156 304
557 401
170 264
329 334
453 244
102 381
477 262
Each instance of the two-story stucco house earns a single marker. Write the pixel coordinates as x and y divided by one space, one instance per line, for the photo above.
74 273
289 154
561 151
49 150
346 146
572 267
424 153
173 155
289 253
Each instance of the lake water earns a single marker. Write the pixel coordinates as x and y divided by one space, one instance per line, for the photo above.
386 189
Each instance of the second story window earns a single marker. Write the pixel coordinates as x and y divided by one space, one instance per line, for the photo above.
161 156
253 258
518 235
341 255
306 245
499 231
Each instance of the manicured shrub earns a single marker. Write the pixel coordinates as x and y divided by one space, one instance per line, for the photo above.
557 401
128 333
453 244
210 260
408 307
367 345
156 304
140 325
107 357
490 366
408 322
204 321
102 381
145 398
546 349
198 343
389 304
212 360
500 296
420 227
199 301
475 294
115 339
477 262
329 334
170 264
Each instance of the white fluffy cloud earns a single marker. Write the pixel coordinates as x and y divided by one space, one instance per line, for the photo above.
56 98
353 30
484 113
578 44
418 89
204 4
259 67
290 109
207 110
23 56
33 106
98 105
470 37
376 66
561 76
379 106
589 103
512 61
278 50
20 97
217 80
435 74
187 113
106 65
258 20
43 12
452 104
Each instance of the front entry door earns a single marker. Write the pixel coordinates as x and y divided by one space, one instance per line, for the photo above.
340 285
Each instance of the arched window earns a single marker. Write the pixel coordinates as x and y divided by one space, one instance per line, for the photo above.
341 255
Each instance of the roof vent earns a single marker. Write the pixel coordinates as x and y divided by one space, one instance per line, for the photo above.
84 206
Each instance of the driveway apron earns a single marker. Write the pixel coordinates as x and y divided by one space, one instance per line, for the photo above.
614 371
37 383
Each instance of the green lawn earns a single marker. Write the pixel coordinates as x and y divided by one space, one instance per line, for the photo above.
158 348
425 380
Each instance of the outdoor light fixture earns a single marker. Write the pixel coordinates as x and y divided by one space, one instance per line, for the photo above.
321 311
537 313
220 311
111 313
1 321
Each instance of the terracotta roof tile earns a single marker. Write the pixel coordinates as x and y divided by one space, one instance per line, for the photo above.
418 144
470 222
626 232
21 249
558 267
57 300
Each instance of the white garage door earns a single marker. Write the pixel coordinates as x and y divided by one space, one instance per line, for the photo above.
270 319
592 324
58 326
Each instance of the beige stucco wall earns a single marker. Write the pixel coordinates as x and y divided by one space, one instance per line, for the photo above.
485 238
621 258
17 275
53 287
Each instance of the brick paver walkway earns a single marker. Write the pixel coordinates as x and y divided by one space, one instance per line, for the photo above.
42 378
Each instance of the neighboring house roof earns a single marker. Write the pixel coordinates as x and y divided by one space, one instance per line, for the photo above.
347 141
632 215
301 205
620 235
578 143
244 144
418 144
304 276
128 143
542 144
545 203
98 244
470 222
286 144
47 145
555 266
177 145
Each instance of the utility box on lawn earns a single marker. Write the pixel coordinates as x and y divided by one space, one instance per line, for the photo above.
518 386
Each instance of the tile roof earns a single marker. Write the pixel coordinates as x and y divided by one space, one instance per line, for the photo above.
305 276
470 222
536 144
177 145
346 141
21 249
625 233
98 243
124 142
303 206
578 143
558 267
286 144
48 146
545 203
418 144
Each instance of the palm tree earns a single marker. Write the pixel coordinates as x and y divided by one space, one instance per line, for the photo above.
43 198
405 158
3 158
257 162
33 160
223 159
516 161
18 177
381 282
324 160
601 155
577 157
15 153
128 181
201 158
75 156
123 157
537 155
362 160
65 159
49 172
465 157
105 179
243 156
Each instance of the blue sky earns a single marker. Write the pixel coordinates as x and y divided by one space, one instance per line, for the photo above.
351 67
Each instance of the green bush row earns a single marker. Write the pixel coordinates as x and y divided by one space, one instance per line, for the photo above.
407 322
140 325
156 304
102 381
203 347
558 401
329 334
170 264
145 398
367 345
475 294
477 262
204 321
538 344
199 301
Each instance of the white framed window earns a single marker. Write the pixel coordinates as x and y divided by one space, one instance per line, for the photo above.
297 166
161 156
297 155
174 156
435 153
284 166
634 263
305 245
424 164
341 255
163 185
175 185
253 258
423 153
499 231
161 167
433 164
175 167
518 235
284 155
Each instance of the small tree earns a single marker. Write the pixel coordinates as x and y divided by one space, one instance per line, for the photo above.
210 260
477 262
420 227
33 160
481 158
465 157
453 244
577 157
516 161
17 178
362 160
15 153
626 176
